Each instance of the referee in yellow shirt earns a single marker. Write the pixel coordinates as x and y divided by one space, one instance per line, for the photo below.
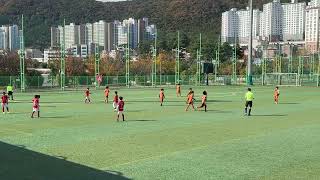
249 102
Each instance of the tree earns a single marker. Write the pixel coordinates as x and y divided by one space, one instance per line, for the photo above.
9 64
75 67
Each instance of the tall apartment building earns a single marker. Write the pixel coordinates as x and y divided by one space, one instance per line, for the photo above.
9 37
229 28
108 36
88 33
271 21
236 25
277 22
312 26
55 37
293 21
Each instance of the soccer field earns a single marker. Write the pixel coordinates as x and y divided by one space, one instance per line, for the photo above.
76 141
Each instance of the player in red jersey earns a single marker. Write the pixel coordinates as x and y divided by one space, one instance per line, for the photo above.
204 101
120 108
161 96
115 101
190 100
106 94
36 105
190 91
87 96
5 102
276 95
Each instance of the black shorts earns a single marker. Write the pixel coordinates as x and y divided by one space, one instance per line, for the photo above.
10 93
249 104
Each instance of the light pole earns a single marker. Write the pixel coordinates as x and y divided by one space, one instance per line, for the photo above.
22 56
249 63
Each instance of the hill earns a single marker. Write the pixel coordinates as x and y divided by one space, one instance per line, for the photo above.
189 16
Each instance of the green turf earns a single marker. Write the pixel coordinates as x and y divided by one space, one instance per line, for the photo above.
277 142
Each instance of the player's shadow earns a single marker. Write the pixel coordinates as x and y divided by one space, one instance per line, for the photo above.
142 120
219 111
19 163
289 103
270 115
222 101
55 117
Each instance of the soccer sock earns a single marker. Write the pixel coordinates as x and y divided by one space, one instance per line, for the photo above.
38 114
2 109
249 111
205 108
123 117
246 110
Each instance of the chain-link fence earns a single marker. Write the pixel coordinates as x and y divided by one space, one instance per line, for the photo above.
77 82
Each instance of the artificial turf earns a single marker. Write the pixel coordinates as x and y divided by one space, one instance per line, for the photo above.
73 140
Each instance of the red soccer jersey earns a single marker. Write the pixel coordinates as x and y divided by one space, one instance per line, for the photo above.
106 92
4 99
87 93
35 102
116 99
161 95
121 105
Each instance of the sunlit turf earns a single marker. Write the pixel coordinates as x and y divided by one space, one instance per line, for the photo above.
277 142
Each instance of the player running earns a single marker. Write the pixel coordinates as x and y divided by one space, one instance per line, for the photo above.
87 96
204 101
276 95
190 90
178 90
161 96
106 94
120 108
115 101
249 102
5 102
10 91
36 105
190 100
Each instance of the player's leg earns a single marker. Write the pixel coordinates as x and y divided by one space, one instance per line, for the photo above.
118 115
193 106
188 107
122 116
2 105
7 107
205 107
250 107
246 108
38 113
33 111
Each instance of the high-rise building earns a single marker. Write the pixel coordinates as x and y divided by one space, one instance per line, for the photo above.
236 25
312 26
9 37
110 37
71 35
88 33
55 37
99 34
229 28
293 21
272 20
